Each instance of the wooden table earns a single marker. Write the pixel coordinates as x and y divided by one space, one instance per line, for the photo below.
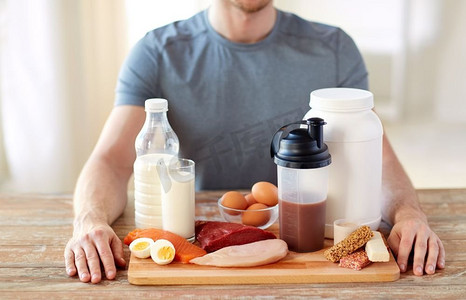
35 229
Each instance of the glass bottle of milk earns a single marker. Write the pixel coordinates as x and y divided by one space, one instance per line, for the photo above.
155 144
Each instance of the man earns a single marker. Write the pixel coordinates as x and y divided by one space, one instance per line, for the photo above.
232 76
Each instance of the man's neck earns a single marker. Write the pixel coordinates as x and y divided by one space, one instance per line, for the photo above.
239 26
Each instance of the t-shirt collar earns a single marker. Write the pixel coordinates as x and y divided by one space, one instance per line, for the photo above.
242 46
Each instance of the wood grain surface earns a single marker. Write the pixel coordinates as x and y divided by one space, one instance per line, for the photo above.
34 230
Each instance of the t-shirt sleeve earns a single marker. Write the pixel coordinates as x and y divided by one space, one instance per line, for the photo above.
352 71
138 77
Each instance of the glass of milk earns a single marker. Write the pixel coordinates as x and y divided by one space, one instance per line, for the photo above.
178 201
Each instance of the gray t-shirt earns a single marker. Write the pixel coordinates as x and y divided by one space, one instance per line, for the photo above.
226 100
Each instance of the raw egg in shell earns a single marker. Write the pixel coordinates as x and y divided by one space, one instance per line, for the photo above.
265 192
235 200
255 215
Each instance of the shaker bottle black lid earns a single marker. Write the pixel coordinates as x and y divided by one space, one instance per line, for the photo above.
301 148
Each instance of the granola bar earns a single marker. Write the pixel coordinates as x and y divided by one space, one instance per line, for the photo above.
351 243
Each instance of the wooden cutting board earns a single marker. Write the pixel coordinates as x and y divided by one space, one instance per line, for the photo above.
294 268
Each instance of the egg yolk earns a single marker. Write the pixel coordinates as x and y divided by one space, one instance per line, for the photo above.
141 246
165 253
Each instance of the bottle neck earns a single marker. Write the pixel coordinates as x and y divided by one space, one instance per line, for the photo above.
156 136
154 119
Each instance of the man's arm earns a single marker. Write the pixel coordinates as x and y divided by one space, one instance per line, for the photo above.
100 198
410 226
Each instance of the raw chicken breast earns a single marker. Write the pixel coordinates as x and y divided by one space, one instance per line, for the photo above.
248 255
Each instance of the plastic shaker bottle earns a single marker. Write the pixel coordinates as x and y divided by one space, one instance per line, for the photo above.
302 160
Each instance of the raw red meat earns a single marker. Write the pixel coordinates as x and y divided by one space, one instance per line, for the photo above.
213 235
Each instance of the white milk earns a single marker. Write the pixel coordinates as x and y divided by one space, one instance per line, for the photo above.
178 207
147 190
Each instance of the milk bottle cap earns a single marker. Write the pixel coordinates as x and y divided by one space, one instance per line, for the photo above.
156 105
301 148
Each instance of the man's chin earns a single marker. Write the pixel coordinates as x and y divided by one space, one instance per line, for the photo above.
250 6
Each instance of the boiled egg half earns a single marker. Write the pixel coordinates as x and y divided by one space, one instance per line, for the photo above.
141 247
162 252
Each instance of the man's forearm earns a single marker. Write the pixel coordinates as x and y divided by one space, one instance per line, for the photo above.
400 198
101 193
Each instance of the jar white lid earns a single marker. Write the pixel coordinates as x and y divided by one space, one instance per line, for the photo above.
156 105
341 99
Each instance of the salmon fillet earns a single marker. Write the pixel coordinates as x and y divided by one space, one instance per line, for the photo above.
184 250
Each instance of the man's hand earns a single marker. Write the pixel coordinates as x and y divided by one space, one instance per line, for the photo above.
100 197
88 248
429 252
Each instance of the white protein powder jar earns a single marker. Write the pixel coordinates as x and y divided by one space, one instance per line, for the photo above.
353 135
